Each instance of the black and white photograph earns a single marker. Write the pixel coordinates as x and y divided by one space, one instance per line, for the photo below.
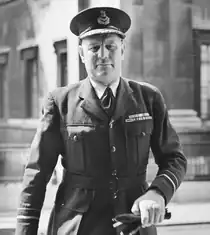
104 117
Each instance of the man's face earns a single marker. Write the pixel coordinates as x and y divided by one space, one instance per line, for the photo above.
102 56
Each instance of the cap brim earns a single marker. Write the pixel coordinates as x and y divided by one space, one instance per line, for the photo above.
87 19
101 31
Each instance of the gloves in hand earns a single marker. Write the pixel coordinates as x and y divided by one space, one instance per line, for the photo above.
129 224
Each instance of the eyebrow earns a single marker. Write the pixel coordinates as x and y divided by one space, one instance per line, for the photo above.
95 41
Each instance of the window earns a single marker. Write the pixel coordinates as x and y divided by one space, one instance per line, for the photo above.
61 52
63 69
3 66
2 81
31 81
201 72
205 81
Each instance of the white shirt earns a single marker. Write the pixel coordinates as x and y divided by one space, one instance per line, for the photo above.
100 88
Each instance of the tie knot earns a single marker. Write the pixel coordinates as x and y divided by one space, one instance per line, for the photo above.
107 101
108 94
108 91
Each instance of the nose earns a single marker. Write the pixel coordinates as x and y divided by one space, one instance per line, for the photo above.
103 52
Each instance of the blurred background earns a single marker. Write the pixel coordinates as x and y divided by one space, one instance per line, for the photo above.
168 45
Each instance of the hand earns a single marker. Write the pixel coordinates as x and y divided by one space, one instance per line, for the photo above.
151 208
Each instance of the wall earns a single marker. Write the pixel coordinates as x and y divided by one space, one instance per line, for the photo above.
160 48
27 23
24 24
16 24
201 14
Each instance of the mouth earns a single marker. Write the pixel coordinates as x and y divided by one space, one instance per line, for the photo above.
105 65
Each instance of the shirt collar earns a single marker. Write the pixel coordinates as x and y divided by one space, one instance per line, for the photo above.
100 88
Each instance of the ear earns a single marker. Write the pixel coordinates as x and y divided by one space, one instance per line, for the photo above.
123 49
81 53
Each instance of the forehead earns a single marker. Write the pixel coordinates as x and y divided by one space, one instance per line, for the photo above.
98 38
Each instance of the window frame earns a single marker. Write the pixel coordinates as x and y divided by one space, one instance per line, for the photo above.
200 37
29 53
60 48
4 59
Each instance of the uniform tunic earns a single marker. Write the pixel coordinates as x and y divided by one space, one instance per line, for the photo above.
105 161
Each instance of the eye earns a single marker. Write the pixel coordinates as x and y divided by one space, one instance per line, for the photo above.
111 47
94 48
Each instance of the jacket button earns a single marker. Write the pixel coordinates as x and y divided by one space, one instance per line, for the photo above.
75 138
111 185
143 133
114 172
114 195
113 149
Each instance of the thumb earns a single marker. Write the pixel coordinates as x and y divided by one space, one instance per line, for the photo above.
135 209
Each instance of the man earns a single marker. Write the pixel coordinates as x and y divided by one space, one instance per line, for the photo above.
103 127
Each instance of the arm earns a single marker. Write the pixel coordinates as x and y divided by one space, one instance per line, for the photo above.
44 152
171 163
167 152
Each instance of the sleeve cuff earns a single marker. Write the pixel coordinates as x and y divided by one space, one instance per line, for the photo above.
165 186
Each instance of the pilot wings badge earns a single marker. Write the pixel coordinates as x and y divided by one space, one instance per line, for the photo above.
103 18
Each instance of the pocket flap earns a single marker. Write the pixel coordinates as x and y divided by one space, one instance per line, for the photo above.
139 127
77 131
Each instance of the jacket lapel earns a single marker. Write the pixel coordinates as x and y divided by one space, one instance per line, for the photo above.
90 102
125 100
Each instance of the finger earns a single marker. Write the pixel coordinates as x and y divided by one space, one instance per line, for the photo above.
144 216
151 214
157 214
135 209
161 218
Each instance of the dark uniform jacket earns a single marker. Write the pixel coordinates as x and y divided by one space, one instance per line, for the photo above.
105 161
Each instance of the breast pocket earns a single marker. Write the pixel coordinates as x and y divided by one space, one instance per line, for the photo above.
75 137
138 136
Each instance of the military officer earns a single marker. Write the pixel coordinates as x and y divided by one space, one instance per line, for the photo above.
103 127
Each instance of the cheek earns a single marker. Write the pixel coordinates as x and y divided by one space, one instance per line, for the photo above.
90 62
116 57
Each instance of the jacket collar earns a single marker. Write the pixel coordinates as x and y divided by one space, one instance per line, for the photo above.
90 101
91 104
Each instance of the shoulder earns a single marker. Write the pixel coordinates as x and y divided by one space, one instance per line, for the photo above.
61 93
150 94
144 87
60 96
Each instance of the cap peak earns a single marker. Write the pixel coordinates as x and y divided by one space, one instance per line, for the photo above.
100 20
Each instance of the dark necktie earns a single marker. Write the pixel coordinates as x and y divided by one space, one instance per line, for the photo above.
108 102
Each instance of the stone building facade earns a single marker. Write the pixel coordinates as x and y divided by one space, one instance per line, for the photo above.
167 45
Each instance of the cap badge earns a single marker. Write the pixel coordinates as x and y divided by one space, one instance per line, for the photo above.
103 18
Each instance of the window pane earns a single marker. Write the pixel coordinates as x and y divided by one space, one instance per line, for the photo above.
31 84
205 81
2 93
63 69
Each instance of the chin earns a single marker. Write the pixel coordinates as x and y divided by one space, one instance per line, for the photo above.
103 75
103 79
